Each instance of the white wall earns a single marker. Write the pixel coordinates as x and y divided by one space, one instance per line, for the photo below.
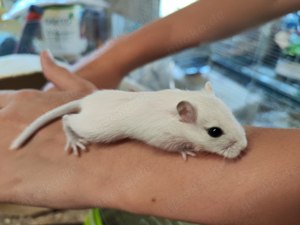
169 6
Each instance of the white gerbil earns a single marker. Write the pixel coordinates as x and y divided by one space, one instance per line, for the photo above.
174 120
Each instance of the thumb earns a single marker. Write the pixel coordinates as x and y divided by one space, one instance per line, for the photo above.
62 78
58 75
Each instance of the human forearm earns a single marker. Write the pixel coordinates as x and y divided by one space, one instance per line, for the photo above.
106 66
210 20
201 22
260 188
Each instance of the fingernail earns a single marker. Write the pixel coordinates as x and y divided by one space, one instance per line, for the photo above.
49 53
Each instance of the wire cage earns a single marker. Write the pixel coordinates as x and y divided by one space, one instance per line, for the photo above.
262 65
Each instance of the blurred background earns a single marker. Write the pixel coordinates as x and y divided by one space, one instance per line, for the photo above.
256 73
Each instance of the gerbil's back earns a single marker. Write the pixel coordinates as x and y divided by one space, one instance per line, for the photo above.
106 99
138 102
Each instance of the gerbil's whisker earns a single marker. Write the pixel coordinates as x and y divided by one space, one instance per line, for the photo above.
223 156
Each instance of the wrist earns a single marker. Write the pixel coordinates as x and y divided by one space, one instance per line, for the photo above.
107 66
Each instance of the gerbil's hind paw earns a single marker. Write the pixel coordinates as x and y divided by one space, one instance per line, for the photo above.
76 145
74 142
185 154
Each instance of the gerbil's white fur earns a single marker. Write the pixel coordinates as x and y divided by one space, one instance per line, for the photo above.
172 120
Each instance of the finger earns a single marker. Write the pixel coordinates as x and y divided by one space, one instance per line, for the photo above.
49 87
59 76
5 96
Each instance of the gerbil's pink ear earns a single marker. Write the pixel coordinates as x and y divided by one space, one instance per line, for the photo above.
187 112
208 88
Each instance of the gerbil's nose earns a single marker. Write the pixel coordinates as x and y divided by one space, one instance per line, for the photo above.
245 139
243 142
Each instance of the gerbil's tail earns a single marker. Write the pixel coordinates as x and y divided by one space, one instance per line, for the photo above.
42 120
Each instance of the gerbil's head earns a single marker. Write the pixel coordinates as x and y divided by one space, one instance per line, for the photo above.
211 126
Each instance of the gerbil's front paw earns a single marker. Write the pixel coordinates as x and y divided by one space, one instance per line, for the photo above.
185 154
76 145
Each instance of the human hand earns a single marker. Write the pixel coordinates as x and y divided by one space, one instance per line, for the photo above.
39 172
25 174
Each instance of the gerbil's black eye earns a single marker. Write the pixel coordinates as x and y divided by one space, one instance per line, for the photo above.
215 132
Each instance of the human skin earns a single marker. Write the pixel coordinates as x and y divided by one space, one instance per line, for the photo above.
262 187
